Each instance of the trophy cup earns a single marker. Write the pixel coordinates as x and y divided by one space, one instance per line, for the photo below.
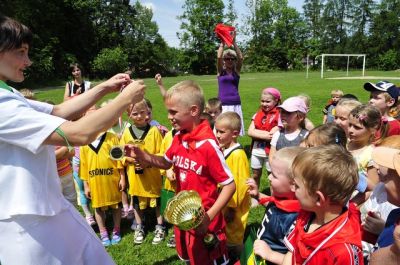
185 210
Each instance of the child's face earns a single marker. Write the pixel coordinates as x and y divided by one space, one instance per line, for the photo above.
268 102
358 133
280 184
336 98
378 100
214 112
180 115
224 134
139 115
307 201
290 119
13 64
342 117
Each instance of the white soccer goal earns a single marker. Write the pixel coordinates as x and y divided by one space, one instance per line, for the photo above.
341 55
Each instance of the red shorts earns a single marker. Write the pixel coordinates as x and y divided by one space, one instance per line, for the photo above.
191 247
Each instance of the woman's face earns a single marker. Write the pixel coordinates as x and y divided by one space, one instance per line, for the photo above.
76 72
229 60
13 64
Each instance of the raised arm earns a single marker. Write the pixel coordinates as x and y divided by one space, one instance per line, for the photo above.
87 128
239 54
220 63
160 84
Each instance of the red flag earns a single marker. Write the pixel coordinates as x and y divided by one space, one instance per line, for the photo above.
225 33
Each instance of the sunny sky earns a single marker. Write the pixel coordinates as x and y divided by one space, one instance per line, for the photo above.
166 11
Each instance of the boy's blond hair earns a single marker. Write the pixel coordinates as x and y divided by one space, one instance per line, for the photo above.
348 103
287 155
330 169
231 120
140 104
337 92
189 92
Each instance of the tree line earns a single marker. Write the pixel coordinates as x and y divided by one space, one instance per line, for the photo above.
112 36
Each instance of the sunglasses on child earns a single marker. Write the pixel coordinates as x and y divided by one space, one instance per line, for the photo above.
229 59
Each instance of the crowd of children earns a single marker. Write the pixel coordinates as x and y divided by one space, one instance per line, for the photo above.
334 189
328 200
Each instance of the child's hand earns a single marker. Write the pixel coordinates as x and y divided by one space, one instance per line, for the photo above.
261 249
229 214
374 223
135 155
171 175
158 79
203 227
253 188
87 193
122 184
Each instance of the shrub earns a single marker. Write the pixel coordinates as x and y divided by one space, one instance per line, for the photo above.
110 61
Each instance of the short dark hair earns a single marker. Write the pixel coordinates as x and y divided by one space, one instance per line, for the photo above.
13 34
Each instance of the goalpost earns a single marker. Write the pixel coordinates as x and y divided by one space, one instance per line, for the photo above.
341 55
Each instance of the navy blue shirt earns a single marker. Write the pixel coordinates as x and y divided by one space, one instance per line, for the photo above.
275 225
386 237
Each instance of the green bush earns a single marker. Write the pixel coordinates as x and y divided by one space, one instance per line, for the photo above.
110 61
388 60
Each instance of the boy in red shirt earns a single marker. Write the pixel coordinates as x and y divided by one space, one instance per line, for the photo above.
327 229
199 165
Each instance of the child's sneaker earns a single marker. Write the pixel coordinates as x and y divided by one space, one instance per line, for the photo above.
105 240
159 235
90 220
171 242
138 237
116 238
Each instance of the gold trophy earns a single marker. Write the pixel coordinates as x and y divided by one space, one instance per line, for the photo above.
185 210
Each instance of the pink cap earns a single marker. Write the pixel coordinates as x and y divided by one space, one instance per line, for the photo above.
294 104
273 91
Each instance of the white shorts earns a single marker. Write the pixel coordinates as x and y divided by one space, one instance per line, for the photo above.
65 238
238 110
257 162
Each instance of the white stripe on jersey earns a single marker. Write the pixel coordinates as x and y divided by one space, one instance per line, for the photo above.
221 159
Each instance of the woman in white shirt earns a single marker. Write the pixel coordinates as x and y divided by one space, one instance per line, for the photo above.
37 224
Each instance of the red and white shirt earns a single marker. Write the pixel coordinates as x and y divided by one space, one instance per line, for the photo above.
199 165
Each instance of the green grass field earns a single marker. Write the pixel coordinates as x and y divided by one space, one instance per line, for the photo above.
251 84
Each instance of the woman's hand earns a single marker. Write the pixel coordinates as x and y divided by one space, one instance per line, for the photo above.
135 91
116 82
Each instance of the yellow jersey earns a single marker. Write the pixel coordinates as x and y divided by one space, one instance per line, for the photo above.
238 163
149 183
101 173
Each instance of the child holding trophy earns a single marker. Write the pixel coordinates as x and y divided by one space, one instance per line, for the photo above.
199 165
144 183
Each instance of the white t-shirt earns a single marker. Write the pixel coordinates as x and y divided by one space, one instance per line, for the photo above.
29 183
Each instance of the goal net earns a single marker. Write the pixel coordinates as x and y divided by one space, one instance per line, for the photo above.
342 65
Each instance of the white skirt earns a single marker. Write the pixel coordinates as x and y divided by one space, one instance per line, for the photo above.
65 238
238 110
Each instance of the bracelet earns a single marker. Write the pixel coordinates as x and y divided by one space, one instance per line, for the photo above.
62 134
